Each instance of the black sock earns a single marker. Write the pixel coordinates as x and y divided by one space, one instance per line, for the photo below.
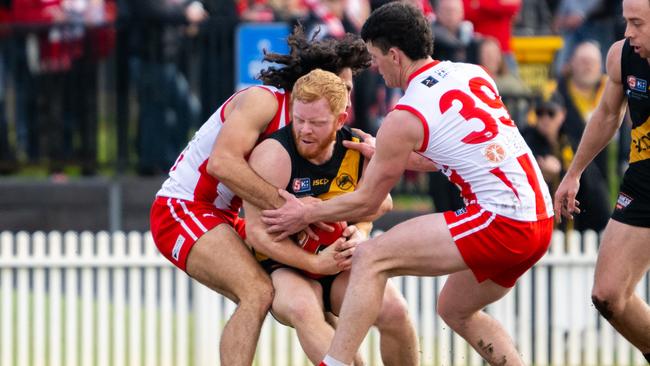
647 357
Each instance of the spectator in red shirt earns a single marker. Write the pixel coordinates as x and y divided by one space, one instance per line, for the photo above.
494 18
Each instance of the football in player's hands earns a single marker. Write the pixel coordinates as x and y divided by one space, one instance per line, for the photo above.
325 238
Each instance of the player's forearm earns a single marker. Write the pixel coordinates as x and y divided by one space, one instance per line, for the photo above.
354 206
598 133
284 251
386 205
237 175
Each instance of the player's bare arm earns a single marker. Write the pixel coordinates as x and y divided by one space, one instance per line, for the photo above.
602 126
366 147
365 223
272 162
400 134
247 117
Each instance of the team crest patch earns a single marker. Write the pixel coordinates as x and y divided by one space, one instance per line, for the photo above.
494 153
344 182
623 201
637 84
429 82
301 185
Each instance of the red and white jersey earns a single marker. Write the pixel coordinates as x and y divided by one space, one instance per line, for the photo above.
188 178
470 137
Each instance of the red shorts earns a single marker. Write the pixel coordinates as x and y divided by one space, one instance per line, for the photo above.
496 247
177 224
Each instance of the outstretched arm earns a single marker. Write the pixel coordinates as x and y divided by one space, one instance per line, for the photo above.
245 121
366 147
602 126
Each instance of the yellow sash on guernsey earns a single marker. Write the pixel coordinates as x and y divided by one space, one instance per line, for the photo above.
640 145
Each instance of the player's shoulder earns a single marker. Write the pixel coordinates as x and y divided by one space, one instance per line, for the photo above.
346 133
262 96
614 60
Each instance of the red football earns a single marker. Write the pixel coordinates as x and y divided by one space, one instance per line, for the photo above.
325 238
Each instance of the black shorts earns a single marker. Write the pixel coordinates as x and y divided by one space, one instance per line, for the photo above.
270 265
633 203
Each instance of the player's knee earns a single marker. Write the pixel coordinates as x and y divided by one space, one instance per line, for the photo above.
451 314
608 303
259 295
301 311
394 313
364 256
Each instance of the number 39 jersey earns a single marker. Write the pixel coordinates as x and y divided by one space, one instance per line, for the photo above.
470 137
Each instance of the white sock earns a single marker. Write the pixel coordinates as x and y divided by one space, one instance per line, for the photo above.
331 361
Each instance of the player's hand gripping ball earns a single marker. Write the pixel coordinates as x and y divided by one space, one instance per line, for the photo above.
325 238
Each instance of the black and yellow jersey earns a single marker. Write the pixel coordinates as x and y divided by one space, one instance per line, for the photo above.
633 203
338 175
635 73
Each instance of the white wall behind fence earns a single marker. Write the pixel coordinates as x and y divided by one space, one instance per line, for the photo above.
111 299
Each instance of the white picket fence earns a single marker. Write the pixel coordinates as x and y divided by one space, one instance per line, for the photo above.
111 299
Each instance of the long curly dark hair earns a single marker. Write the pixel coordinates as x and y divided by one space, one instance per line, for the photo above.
307 54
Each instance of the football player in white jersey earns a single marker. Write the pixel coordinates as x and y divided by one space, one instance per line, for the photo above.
194 219
452 115
310 153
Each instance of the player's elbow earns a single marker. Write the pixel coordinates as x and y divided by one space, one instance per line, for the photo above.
386 205
218 167
255 238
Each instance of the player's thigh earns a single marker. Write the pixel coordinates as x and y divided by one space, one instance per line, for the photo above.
420 246
337 291
221 260
623 256
392 296
296 296
462 294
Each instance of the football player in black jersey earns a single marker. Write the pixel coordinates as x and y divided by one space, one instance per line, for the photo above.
624 254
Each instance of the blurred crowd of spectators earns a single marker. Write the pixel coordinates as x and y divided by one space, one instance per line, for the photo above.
147 73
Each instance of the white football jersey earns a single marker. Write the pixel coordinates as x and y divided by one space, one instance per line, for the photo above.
472 140
188 178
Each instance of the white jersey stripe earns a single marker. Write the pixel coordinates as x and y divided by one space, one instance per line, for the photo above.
475 229
178 219
198 223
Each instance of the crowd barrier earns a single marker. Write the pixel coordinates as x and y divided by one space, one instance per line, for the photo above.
69 298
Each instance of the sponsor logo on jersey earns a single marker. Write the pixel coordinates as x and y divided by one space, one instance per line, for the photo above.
494 153
637 84
176 251
301 185
460 211
623 201
429 82
320 182
345 182
442 73
640 142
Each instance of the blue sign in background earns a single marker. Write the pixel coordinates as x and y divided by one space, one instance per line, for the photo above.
251 40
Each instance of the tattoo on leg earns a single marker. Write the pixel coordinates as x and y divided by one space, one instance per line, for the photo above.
603 307
487 348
